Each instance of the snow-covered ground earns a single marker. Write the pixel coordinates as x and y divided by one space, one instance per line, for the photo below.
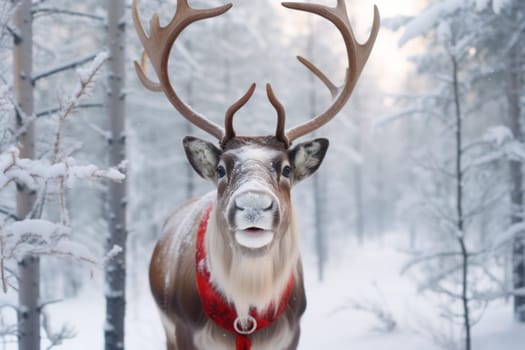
367 276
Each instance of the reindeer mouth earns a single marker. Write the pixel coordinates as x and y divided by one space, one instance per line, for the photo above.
254 237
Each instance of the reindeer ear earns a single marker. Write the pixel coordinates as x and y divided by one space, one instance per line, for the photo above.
203 156
306 158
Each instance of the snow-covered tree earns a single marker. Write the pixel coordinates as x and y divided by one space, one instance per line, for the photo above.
115 290
28 265
35 236
41 169
463 194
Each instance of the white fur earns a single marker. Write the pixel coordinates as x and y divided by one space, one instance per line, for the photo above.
251 281
206 338
281 340
169 327
255 152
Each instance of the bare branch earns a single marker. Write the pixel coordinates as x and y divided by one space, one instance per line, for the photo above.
58 109
104 133
58 337
2 272
63 67
16 36
376 306
43 11
9 213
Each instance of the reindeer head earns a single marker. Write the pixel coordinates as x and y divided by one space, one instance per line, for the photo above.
253 175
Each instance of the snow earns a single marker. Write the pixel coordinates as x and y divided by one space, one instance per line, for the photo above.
87 73
428 19
503 145
37 236
497 135
481 4
434 14
498 5
508 235
366 275
515 151
113 252
31 235
30 171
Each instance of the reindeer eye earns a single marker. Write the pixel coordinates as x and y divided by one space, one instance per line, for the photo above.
287 171
221 171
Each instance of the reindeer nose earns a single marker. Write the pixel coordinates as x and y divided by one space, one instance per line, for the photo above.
254 201
254 209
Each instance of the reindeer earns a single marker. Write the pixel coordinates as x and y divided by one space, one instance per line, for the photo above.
226 273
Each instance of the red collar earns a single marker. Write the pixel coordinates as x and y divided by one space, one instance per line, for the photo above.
222 312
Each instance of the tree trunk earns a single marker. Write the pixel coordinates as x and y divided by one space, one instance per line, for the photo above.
358 188
380 206
459 206
319 203
116 268
29 267
514 85
320 245
319 237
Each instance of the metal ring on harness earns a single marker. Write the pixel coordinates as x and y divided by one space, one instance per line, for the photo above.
237 325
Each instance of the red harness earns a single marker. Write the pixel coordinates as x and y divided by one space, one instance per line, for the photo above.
222 312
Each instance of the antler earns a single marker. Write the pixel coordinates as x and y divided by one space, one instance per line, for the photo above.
357 57
157 48
281 116
228 120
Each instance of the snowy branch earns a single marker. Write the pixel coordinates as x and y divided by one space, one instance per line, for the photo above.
86 78
428 19
427 257
515 230
42 237
39 237
31 172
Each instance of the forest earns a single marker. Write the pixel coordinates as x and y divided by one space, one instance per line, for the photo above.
412 231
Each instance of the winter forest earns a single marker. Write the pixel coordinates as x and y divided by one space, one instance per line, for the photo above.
412 231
